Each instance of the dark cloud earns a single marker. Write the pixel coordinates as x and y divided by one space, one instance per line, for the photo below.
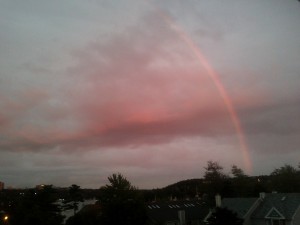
273 128
280 118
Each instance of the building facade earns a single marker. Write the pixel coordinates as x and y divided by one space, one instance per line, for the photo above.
188 212
267 209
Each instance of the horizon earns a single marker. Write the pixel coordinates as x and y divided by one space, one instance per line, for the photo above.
226 172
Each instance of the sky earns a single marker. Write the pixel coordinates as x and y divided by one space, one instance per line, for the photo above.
151 89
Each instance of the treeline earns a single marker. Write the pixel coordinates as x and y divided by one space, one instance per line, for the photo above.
32 206
118 202
285 179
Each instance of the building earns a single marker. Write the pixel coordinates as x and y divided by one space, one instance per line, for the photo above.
243 207
267 209
188 212
277 209
1 186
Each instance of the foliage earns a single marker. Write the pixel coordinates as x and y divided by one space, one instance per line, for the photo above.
37 208
286 179
237 172
120 198
88 215
181 190
73 198
224 216
241 183
213 171
285 170
216 181
283 179
121 203
119 182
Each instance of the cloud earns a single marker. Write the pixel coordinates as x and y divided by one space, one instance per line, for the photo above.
273 128
278 118
92 89
141 87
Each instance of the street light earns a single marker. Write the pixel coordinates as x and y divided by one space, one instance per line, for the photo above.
4 219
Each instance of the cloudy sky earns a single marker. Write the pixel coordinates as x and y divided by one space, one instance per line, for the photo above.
152 89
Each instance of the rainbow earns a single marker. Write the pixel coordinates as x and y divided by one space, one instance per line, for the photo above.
220 87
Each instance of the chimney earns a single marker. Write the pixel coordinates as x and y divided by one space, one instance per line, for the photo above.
262 195
181 217
218 200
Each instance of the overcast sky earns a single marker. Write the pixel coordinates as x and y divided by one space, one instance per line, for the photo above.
90 88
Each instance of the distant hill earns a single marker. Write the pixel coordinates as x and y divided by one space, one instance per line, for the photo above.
190 183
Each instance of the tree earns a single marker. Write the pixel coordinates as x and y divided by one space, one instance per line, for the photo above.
216 180
286 179
73 198
241 182
284 170
119 182
121 203
237 172
213 171
88 215
224 216
37 208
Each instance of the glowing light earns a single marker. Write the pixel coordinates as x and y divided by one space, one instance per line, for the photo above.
215 78
5 218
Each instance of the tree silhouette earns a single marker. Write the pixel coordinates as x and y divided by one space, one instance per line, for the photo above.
224 216
73 198
88 215
213 171
285 179
237 172
121 203
119 182
216 181
285 170
37 208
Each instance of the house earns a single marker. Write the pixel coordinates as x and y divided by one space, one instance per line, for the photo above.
277 209
243 207
187 212
267 209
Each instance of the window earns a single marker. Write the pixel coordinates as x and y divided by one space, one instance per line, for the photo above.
274 217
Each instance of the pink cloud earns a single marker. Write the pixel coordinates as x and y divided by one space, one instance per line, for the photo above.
144 87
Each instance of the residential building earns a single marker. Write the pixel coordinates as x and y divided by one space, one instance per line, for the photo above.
278 209
267 209
188 212
243 207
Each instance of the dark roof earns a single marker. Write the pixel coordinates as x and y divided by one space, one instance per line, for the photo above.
160 212
239 205
285 203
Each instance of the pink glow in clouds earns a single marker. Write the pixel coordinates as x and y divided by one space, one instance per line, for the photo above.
148 96
128 91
